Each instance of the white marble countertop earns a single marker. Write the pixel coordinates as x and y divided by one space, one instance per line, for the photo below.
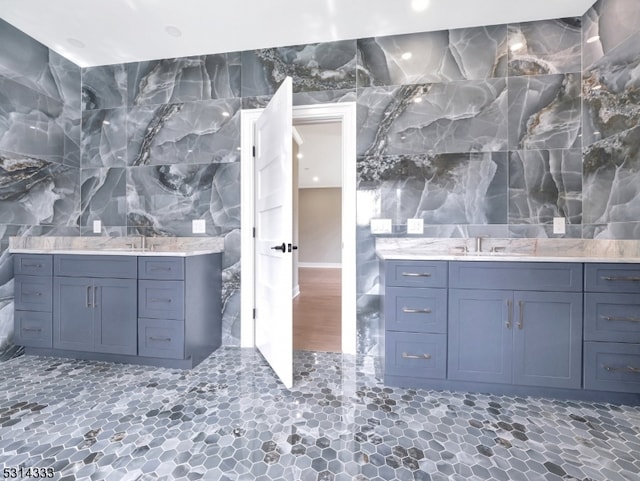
120 246
509 250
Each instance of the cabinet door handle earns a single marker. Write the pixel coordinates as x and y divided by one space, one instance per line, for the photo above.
630 369
622 278
37 294
157 299
521 316
416 274
32 329
623 319
95 297
409 310
160 268
32 265
509 313
416 356
88 296
163 339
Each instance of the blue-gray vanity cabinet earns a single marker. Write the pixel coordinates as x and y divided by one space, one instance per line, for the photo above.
612 328
531 336
95 306
33 300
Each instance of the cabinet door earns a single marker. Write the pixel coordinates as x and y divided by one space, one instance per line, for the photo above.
73 313
115 314
548 339
480 335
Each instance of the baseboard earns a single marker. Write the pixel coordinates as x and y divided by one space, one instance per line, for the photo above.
321 265
296 291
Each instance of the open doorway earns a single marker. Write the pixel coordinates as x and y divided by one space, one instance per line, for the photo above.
317 230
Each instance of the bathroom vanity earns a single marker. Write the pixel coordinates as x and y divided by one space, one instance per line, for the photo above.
525 321
158 307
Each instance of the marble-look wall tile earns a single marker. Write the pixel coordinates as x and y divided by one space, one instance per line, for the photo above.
611 179
543 231
107 231
462 231
545 47
35 191
544 184
192 133
304 98
610 90
104 87
231 289
29 122
464 116
165 199
606 25
104 138
445 189
312 67
418 58
185 79
545 112
612 230
68 79
103 196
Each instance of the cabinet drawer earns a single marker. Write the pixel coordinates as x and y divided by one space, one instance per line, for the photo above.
170 268
33 265
161 299
416 309
416 355
612 366
612 278
161 338
612 317
33 329
119 267
416 273
524 276
33 293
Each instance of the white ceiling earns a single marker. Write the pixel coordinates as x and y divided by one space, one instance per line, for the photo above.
102 32
320 155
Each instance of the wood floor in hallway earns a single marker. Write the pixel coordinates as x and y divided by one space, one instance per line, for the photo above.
317 310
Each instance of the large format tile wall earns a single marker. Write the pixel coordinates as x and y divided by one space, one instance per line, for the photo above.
472 136
39 150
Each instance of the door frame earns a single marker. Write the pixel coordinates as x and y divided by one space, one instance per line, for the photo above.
346 114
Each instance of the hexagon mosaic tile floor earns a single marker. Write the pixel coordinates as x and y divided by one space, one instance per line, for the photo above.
230 419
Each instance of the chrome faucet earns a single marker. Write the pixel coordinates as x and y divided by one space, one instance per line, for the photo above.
479 242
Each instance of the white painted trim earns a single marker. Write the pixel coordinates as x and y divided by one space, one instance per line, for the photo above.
346 114
320 265
296 291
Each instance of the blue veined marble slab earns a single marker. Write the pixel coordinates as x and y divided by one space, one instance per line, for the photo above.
444 56
104 138
545 47
545 112
103 196
104 87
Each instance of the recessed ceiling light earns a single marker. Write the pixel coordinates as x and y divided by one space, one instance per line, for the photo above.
406 55
316 179
595 38
516 46
173 31
420 5
74 42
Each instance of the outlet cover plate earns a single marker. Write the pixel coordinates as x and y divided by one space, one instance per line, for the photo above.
559 225
198 226
381 226
415 226
97 226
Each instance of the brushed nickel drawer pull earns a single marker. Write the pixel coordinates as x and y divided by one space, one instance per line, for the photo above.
509 313
409 310
613 278
159 300
631 369
160 268
32 265
32 294
623 319
521 318
32 329
416 274
163 339
416 356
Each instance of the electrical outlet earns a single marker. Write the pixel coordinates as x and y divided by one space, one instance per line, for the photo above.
97 226
381 226
198 226
415 226
559 225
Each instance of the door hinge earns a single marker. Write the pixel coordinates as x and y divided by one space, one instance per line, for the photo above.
254 151
254 312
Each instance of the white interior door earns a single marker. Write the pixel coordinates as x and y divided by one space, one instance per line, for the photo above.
273 234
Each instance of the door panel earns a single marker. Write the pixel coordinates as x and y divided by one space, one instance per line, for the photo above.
73 313
273 223
116 318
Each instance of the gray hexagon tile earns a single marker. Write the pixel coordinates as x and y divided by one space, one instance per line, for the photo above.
230 419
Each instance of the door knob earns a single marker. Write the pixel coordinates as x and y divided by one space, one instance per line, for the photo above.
291 247
280 247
